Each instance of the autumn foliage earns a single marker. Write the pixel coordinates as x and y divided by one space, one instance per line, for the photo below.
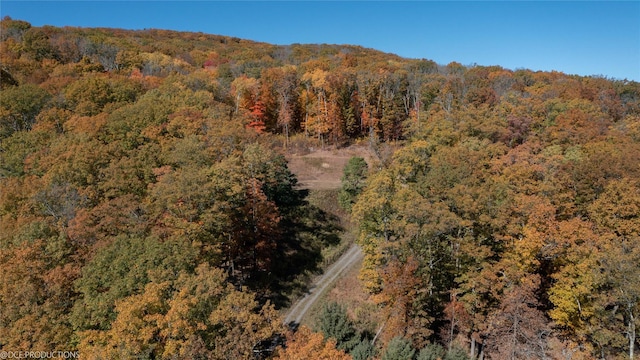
146 208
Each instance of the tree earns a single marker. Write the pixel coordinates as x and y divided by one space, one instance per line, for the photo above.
256 231
398 297
245 90
364 350
18 148
618 297
37 44
19 107
13 28
395 106
399 348
36 291
240 322
285 87
258 117
305 344
92 93
518 329
107 220
334 323
456 353
353 182
196 315
375 213
122 268
431 352
618 301
317 112
618 208
199 204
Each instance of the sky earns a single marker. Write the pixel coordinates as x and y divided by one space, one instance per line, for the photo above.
585 38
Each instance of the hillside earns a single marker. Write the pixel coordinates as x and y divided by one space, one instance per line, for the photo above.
149 207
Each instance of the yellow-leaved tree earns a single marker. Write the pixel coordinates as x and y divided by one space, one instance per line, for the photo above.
196 316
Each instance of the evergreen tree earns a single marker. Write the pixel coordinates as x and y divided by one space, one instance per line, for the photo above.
431 352
399 348
363 350
334 323
456 353
353 181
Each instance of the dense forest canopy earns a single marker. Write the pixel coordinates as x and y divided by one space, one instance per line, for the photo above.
146 206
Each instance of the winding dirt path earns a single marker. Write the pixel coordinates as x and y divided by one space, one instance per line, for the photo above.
300 308
319 170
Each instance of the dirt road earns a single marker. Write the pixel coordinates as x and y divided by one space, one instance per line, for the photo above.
321 170
299 309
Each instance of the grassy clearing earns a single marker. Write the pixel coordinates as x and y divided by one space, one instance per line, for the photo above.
315 162
327 200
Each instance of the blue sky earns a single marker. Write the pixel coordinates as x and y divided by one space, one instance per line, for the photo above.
584 38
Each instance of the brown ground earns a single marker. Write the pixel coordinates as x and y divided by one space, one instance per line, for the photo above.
322 169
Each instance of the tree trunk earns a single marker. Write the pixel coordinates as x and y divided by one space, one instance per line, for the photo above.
632 332
451 327
286 136
306 127
514 337
472 350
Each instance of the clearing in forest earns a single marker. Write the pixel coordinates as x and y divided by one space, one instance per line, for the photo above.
322 170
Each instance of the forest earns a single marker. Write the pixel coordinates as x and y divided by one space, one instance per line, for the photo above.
147 209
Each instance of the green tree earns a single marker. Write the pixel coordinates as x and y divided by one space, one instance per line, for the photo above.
399 348
37 44
92 93
375 214
17 148
431 352
334 323
19 106
123 268
363 350
456 353
353 182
